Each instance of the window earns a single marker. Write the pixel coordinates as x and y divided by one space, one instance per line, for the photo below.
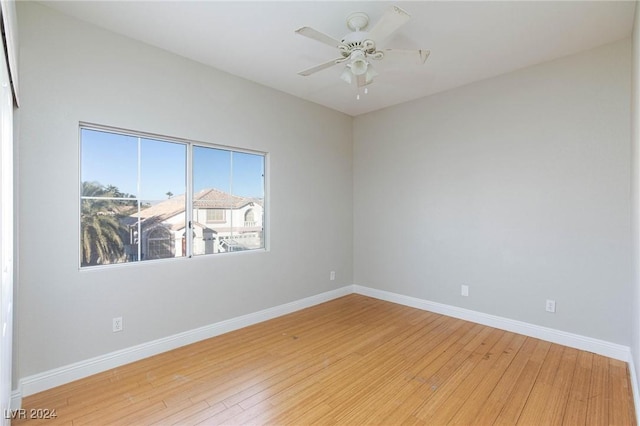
249 218
215 215
159 243
227 183
134 203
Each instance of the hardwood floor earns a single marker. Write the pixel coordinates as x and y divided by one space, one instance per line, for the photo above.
354 360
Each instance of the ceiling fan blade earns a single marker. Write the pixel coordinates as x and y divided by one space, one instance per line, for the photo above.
321 66
318 36
393 19
417 56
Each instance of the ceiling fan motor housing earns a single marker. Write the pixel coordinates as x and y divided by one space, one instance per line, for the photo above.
358 40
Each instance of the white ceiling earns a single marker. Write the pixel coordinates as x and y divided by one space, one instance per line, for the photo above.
469 41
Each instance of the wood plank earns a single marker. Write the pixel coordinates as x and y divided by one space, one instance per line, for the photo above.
559 394
598 405
372 375
542 389
478 399
175 413
369 366
620 401
406 383
433 376
464 382
506 391
576 412
216 417
193 416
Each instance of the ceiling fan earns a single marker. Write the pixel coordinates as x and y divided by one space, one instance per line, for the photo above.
360 46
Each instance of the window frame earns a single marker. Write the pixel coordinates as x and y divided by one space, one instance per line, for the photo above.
190 145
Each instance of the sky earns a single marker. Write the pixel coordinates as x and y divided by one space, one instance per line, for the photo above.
112 159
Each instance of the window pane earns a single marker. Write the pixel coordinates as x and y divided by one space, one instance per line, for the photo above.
248 185
248 175
211 198
162 190
211 169
109 160
228 200
162 169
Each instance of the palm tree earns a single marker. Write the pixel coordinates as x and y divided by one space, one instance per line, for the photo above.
101 231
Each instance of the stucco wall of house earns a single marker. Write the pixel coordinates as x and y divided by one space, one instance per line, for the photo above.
71 72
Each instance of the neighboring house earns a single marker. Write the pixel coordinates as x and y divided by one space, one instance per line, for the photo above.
221 222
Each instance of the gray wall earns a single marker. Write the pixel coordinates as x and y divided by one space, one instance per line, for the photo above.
517 186
74 72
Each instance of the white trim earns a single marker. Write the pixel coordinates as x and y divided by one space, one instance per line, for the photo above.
601 347
59 376
16 400
12 46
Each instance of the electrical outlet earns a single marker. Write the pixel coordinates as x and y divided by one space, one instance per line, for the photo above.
464 290
550 306
117 324
332 275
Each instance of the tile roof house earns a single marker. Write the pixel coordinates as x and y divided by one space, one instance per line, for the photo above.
221 222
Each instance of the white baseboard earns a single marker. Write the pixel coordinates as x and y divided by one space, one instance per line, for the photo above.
59 376
601 347
16 400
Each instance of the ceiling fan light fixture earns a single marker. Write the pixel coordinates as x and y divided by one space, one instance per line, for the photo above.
370 74
358 63
347 75
359 66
